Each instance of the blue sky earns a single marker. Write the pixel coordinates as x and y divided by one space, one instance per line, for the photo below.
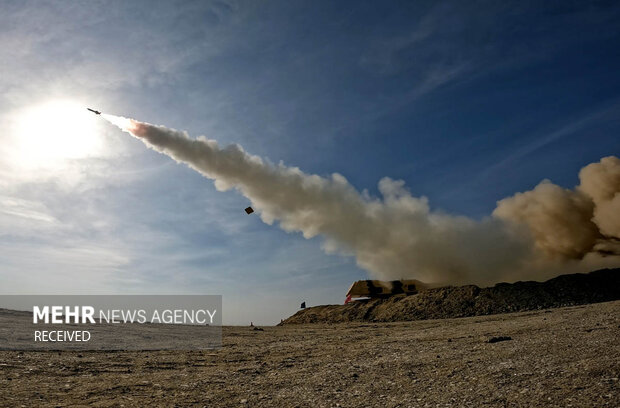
468 102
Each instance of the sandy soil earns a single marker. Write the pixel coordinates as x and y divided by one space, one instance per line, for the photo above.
555 358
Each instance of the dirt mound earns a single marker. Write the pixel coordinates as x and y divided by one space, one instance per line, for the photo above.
462 301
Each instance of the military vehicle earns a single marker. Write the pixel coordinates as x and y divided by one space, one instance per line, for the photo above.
382 289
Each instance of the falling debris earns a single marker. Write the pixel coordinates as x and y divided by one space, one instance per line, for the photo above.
303 305
249 210
535 235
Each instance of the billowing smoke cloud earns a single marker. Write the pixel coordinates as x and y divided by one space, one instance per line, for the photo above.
601 182
536 234
571 224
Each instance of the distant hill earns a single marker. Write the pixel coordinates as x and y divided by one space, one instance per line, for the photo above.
462 301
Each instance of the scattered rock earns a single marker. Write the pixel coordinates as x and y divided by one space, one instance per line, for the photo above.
498 339
595 328
257 328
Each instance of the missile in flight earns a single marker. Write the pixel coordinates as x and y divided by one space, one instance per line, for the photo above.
96 112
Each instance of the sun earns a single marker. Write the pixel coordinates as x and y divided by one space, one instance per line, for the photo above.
54 132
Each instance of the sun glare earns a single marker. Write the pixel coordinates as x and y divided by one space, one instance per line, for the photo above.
51 133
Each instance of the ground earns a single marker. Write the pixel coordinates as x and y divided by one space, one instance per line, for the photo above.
554 358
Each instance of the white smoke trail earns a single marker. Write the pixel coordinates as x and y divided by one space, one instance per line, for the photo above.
531 235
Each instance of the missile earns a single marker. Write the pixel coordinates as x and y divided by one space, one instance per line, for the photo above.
96 112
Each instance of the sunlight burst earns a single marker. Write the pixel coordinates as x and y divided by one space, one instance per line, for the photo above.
53 132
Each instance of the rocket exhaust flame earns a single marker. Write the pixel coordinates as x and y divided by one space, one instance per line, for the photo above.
532 235
124 124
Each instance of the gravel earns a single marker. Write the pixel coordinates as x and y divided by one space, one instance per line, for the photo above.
566 357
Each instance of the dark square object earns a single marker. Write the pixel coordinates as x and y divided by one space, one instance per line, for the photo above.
249 210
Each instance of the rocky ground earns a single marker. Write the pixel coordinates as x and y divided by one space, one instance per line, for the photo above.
567 357
470 300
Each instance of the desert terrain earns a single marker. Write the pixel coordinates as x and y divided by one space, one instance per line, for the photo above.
447 302
564 357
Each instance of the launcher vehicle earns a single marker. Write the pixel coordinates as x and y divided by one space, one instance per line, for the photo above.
381 289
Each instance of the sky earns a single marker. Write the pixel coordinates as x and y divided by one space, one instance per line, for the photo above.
467 102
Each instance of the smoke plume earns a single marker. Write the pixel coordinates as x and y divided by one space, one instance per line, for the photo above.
531 235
